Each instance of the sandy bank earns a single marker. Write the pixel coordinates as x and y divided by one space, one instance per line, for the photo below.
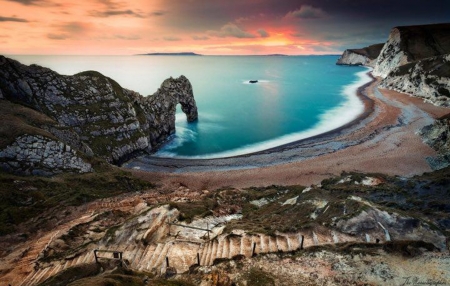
381 140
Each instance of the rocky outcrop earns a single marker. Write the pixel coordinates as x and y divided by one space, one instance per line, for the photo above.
94 114
361 57
38 155
428 78
412 43
437 136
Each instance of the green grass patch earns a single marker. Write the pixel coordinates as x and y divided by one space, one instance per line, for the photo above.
18 120
258 277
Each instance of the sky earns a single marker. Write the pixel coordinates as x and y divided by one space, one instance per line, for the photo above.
209 27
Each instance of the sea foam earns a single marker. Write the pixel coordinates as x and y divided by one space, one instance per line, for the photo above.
332 119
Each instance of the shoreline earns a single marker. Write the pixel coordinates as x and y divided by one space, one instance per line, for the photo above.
167 164
269 145
381 140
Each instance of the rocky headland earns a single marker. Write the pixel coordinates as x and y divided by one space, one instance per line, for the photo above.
361 57
56 123
416 60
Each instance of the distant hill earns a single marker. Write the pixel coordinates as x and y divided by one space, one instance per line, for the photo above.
171 54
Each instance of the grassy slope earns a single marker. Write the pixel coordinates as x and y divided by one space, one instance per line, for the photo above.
23 198
371 52
17 120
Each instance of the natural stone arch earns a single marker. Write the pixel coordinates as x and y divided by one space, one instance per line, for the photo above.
164 101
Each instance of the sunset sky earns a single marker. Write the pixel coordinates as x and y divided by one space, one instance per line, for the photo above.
210 27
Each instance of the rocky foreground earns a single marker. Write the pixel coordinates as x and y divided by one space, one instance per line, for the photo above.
354 229
54 123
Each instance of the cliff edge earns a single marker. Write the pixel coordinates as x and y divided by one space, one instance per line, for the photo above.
412 43
55 123
361 57
415 60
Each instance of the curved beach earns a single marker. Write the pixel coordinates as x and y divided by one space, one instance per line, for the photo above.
382 139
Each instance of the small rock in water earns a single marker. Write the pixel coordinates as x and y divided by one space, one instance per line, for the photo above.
253 81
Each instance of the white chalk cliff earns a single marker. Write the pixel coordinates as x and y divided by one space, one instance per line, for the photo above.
414 60
361 57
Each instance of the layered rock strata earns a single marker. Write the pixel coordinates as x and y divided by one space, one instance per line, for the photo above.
94 114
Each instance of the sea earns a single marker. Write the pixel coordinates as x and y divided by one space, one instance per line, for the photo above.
296 97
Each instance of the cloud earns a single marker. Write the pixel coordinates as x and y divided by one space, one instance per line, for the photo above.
68 30
299 35
171 39
231 30
129 38
44 3
114 8
109 13
74 27
12 19
111 5
306 12
263 33
158 13
58 36
28 2
200 38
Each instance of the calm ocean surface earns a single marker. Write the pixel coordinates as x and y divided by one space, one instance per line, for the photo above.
295 98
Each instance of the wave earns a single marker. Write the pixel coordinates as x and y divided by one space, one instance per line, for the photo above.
347 111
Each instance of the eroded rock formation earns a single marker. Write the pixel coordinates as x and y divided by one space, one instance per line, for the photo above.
356 57
437 136
412 43
93 115
416 60
428 78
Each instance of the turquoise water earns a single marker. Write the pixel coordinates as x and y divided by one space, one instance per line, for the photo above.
295 98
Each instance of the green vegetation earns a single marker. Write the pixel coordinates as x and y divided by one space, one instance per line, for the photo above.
23 198
72 274
118 90
18 120
259 277
192 209
89 274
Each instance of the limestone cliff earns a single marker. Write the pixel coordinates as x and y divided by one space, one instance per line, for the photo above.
414 60
428 78
88 113
356 57
412 43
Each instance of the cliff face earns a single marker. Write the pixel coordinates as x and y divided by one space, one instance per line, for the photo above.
437 136
412 43
414 60
90 114
357 57
428 78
